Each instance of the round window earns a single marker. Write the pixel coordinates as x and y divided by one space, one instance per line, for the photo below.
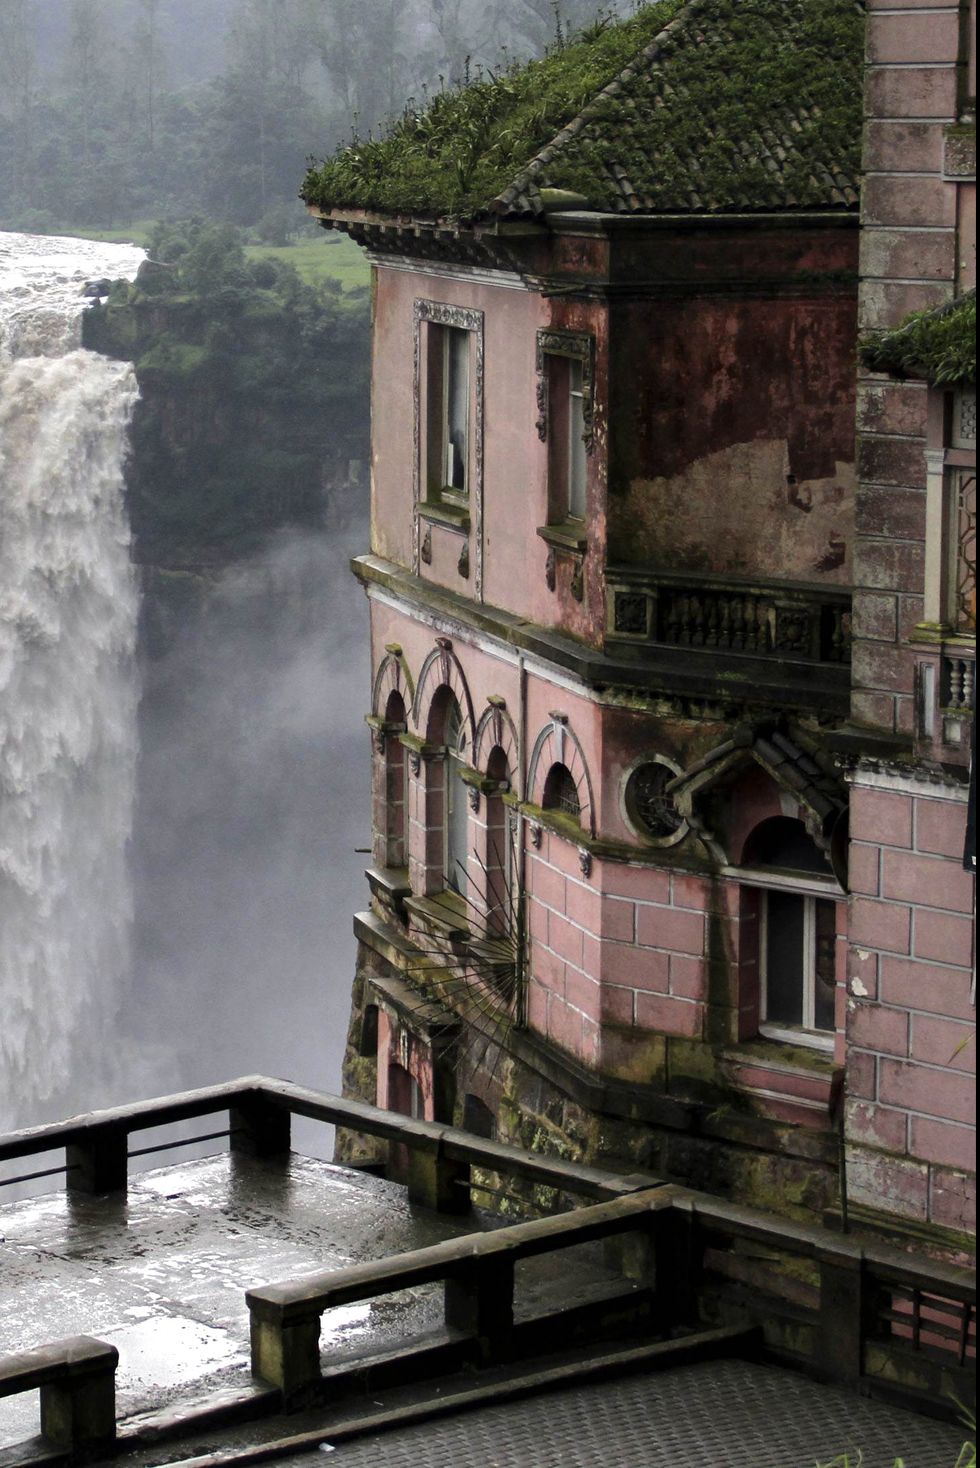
649 809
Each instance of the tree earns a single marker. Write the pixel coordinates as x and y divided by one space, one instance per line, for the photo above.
18 87
149 59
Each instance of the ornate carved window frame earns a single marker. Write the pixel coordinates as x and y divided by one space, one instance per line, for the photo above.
580 346
462 318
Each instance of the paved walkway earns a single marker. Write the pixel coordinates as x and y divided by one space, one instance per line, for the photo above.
723 1414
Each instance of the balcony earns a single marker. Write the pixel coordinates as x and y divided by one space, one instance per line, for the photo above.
790 637
798 622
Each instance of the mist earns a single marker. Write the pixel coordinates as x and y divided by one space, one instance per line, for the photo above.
252 795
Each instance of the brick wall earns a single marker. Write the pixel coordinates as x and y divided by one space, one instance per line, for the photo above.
908 262
622 948
911 1018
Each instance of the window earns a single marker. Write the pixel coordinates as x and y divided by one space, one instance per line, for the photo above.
649 809
457 813
499 872
449 412
561 792
795 933
567 453
798 940
576 442
478 1118
565 408
395 784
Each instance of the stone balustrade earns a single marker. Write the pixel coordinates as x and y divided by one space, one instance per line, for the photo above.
76 1379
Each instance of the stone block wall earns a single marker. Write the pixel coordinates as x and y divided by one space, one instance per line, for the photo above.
909 262
911 1018
618 949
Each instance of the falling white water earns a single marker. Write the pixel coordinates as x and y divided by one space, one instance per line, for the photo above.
68 689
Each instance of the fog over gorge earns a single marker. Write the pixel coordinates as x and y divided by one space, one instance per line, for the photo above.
183 651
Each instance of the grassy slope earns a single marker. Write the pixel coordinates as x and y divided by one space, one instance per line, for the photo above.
334 256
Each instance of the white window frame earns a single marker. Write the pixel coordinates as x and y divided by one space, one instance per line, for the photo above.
807 1033
810 888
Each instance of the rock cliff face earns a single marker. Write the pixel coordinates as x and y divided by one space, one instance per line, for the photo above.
252 414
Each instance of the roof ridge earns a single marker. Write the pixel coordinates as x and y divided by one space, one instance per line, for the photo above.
572 129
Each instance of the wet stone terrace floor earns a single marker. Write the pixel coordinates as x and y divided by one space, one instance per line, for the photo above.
162 1273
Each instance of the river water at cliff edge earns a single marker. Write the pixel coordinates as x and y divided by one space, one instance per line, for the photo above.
68 683
176 881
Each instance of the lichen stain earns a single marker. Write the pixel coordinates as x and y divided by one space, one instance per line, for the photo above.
742 511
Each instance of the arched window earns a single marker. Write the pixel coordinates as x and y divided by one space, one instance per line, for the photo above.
499 898
561 792
478 1118
797 932
446 727
395 784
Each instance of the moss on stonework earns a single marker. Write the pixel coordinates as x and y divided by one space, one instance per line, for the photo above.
745 104
939 346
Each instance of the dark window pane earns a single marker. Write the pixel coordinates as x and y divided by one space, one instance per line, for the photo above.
784 958
825 964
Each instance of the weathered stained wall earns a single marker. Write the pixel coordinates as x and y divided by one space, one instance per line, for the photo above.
732 407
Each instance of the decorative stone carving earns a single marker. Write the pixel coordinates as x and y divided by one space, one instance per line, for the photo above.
425 552
630 613
579 345
463 564
578 580
550 569
585 861
414 761
473 796
536 834
648 805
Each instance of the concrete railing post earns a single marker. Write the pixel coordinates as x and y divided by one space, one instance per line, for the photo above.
285 1345
97 1164
479 1299
676 1266
839 1350
434 1181
78 1410
259 1127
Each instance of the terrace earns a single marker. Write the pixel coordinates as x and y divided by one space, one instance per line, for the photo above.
261 1303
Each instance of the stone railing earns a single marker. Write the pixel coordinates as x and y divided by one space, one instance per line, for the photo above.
97 1149
728 614
843 1309
695 1273
76 1382
958 683
946 679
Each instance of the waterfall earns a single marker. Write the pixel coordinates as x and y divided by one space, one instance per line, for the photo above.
68 683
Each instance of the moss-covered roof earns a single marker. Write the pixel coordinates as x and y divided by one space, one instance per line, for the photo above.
938 345
688 106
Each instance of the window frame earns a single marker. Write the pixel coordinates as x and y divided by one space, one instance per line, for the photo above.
439 486
454 788
456 512
808 1033
574 354
798 884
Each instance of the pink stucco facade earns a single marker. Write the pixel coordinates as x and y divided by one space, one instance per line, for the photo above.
616 902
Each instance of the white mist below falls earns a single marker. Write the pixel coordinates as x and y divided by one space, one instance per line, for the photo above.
68 682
